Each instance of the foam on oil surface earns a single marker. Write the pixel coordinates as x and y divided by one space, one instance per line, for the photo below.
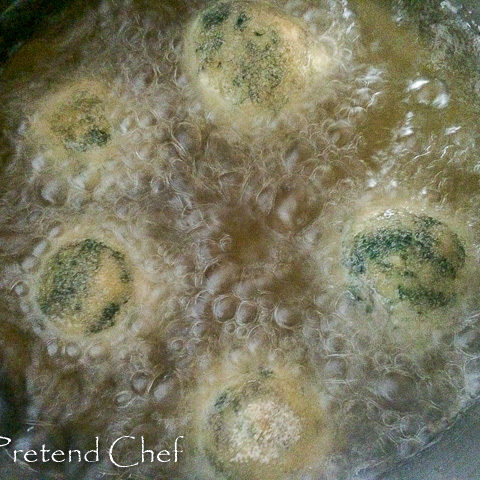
236 239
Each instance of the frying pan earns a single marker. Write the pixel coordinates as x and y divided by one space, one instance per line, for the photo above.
456 453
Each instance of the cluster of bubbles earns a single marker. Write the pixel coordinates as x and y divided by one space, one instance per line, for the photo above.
238 221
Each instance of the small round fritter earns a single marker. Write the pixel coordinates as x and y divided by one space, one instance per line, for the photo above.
408 258
248 58
83 286
257 429
80 122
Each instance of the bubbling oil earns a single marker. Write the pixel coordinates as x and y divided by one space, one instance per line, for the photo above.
322 263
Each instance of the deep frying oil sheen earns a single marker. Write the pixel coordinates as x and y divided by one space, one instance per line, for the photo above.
250 224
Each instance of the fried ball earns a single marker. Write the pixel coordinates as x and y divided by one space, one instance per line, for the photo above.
408 258
249 58
83 286
262 428
75 120
80 122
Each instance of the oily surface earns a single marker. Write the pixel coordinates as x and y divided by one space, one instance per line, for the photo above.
251 245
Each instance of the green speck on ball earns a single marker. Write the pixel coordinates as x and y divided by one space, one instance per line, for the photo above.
84 283
409 257
216 15
81 123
